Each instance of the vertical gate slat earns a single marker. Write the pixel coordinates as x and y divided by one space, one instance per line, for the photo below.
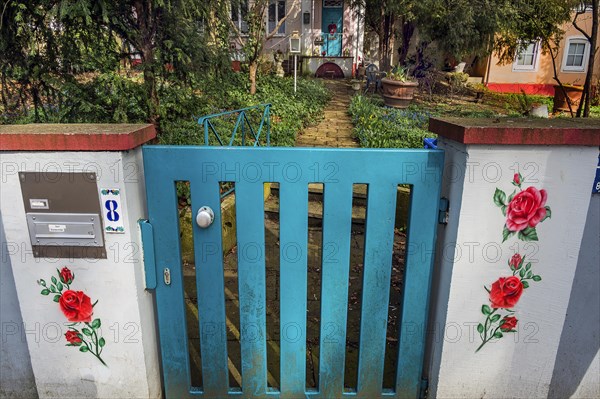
293 238
210 286
337 226
162 212
379 239
419 264
250 227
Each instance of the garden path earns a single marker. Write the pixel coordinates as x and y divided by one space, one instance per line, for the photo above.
335 130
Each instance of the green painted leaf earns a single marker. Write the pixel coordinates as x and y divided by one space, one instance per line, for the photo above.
56 298
54 279
529 274
485 309
510 198
53 289
83 349
537 278
506 233
479 328
96 323
45 291
504 210
498 334
101 342
522 273
548 214
42 282
87 331
528 234
59 286
495 318
528 266
499 197
525 284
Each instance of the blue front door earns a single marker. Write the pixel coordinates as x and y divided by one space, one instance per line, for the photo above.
205 168
332 27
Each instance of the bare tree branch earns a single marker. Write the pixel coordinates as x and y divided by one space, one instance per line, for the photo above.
282 20
584 33
238 34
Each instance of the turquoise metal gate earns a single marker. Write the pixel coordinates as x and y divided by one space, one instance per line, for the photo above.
338 169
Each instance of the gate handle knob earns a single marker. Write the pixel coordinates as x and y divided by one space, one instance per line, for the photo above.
205 217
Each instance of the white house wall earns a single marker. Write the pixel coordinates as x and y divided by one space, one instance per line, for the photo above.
309 32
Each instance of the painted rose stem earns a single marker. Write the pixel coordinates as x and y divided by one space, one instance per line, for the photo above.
77 308
523 210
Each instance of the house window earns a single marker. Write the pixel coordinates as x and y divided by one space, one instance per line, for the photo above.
584 6
333 3
576 55
239 11
276 14
527 57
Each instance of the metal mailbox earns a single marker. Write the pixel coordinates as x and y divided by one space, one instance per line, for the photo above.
62 212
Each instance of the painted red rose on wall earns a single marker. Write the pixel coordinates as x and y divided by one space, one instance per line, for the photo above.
73 337
516 262
508 324
66 276
524 211
77 308
505 292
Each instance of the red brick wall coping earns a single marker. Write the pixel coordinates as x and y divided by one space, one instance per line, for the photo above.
74 137
520 131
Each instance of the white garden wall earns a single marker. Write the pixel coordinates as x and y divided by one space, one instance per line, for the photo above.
124 308
471 256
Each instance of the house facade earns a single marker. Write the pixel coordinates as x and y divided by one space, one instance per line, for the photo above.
331 34
532 70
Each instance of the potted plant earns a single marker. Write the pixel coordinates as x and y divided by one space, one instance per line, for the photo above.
398 88
574 94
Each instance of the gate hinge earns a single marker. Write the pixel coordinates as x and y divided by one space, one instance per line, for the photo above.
423 389
148 253
443 215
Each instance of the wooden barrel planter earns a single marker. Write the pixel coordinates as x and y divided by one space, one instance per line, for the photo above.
560 102
398 94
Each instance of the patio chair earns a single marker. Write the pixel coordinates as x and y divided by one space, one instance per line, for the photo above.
373 77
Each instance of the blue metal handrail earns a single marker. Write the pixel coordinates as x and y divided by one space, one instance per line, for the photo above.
242 122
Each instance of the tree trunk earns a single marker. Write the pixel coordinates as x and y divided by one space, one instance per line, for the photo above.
147 27
4 91
381 39
252 68
151 92
408 29
387 45
555 77
584 105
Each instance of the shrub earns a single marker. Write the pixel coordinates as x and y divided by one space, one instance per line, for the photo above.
379 127
289 112
115 98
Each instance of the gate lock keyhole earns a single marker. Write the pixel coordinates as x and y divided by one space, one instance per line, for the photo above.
205 217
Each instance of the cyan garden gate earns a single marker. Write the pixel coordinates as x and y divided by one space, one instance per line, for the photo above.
293 168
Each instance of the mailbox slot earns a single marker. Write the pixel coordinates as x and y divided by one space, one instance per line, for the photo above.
65 229
62 212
